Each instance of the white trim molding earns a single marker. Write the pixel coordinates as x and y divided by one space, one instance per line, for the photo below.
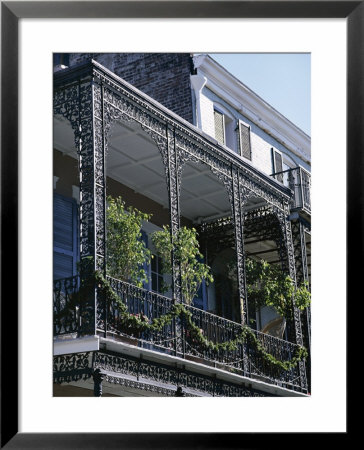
72 344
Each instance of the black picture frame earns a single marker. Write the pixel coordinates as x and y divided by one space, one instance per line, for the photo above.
11 12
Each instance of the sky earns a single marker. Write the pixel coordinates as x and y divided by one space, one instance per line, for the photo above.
281 79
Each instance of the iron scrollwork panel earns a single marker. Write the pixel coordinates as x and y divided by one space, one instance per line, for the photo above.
174 176
75 103
188 150
117 108
287 233
299 242
239 244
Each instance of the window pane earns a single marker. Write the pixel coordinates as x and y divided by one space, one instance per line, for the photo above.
160 283
154 282
154 264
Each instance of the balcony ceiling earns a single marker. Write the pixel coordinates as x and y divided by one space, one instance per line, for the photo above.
134 160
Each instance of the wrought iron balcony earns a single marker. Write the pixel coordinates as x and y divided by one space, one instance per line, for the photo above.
299 181
175 337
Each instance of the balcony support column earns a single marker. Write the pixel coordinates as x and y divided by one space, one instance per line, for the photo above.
291 269
238 215
173 177
91 149
98 378
300 251
173 182
81 104
302 275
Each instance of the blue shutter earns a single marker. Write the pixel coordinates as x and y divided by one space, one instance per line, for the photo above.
65 237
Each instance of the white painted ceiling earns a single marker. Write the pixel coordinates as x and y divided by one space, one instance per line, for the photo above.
134 160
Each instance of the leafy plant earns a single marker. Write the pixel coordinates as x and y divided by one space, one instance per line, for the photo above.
126 252
268 285
184 247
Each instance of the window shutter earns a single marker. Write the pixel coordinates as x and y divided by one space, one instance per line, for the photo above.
244 138
277 165
65 237
219 127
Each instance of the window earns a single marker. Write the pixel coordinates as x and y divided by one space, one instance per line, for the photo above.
156 274
157 281
277 165
200 300
244 140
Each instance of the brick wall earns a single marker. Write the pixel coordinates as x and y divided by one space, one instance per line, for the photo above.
163 76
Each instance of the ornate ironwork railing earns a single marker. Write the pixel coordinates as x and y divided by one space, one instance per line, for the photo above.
299 181
279 349
175 337
65 306
218 330
144 304
245 359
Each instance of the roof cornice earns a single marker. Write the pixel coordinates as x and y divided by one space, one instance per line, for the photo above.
249 104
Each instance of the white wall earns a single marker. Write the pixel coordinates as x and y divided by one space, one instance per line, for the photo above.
261 141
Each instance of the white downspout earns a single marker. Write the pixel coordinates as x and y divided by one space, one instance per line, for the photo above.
198 82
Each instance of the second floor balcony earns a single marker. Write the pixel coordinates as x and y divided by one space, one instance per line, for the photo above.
144 319
110 139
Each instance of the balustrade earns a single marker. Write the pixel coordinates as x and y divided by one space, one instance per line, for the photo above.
175 336
66 306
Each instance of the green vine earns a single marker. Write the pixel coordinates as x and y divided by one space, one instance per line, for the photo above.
141 323
138 323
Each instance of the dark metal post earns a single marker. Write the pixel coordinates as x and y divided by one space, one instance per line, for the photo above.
287 233
98 378
179 392
238 220
104 299
174 211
